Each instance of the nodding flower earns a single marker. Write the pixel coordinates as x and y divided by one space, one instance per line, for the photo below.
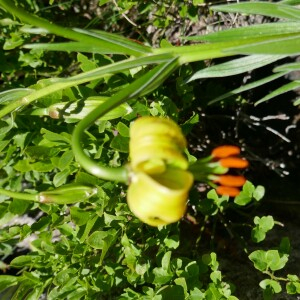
227 157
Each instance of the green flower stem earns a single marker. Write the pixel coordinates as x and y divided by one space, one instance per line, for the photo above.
141 86
21 196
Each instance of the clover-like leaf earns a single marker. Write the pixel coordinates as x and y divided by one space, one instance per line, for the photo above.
273 284
263 225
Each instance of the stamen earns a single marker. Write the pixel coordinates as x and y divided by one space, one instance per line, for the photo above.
234 162
231 181
225 151
227 191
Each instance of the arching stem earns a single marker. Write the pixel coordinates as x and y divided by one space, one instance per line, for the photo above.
139 87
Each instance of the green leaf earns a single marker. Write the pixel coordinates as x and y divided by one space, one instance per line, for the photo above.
282 90
13 42
174 292
266 223
64 276
258 257
288 67
41 224
115 43
268 259
267 30
85 63
55 137
7 281
293 288
276 287
279 46
245 196
123 129
285 246
120 143
41 152
42 166
66 159
236 66
87 229
165 262
98 239
14 94
248 87
259 193
258 235
102 240
35 293
18 207
275 260
79 216
71 47
60 178
263 225
216 277
24 260
172 242
275 10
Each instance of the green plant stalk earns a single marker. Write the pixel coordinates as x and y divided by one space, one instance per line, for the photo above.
63 83
139 87
21 196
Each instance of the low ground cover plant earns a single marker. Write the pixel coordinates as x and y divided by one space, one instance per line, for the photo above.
94 147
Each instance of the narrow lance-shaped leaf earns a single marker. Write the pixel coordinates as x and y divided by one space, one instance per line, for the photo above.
275 10
281 46
283 89
262 30
247 87
288 67
236 66
71 47
118 41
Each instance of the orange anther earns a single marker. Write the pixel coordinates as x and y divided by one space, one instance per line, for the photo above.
227 191
233 162
231 181
225 151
